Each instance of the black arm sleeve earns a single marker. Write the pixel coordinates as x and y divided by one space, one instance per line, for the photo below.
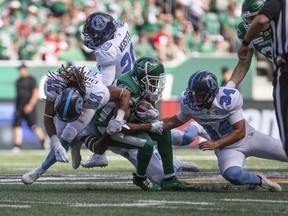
271 9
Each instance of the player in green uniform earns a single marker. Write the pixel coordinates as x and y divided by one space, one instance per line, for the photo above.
262 44
145 81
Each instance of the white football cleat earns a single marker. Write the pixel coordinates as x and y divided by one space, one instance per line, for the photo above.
185 166
267 184
96 160
33 175
75 154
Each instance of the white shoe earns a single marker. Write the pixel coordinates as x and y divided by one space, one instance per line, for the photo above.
33 175
75 154
16 149
96 160
267 184
185 166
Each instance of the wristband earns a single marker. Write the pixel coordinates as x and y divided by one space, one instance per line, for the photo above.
245 43
230 84
120 115
55 141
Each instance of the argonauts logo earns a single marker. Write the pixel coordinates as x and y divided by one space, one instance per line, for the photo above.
99 22
211 83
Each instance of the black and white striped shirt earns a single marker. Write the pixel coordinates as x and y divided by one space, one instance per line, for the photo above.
276 11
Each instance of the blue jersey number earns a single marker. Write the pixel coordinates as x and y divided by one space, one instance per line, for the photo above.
128 60
224 128
94 100
226 98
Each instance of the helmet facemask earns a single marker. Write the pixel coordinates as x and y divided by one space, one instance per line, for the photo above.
153 85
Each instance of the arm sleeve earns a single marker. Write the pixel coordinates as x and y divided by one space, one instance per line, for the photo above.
271 9
108 73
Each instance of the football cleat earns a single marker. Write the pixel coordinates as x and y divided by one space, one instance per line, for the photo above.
33 175
176 185
96 160
267 184
75 154
145 183
185 166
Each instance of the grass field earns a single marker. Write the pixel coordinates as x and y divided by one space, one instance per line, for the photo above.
109 191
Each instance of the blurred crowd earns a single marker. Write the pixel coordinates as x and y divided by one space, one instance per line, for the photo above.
50 30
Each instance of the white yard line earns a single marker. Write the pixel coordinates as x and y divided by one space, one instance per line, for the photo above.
255 200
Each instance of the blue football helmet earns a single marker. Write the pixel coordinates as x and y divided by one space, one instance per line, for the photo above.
68 105
99 27
204 84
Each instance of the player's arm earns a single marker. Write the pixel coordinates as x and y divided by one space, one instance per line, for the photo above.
240 70
234 136
122 97
49 115
108 73
172 122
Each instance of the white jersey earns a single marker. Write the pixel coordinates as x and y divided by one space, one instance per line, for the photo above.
225 111
97 94
118 51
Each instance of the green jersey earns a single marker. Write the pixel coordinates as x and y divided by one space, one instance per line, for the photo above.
262 44
125 81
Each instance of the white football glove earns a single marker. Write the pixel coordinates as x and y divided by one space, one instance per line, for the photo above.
153 97
157 127
151 113
115 126
60 152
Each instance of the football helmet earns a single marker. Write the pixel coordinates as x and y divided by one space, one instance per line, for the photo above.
149 73
99 27
68 105
202 84
250 8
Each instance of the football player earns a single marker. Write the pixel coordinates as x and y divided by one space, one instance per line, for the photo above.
219 111
145 81
73 95
262 44
114 52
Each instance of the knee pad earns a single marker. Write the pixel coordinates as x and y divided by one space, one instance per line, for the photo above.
69 133
190 134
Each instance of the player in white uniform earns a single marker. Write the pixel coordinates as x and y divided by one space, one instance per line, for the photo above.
113 49
219 112
73 95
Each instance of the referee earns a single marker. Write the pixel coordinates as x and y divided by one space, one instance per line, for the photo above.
26 100
274 15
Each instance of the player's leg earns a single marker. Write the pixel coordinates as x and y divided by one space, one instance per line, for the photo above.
144 144
267 147
281 105
171 182
231 162
33 175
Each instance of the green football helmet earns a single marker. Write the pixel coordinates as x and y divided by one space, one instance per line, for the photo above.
250 8
149 74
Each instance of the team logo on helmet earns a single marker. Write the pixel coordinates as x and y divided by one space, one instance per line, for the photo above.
211 83
146 66
99 22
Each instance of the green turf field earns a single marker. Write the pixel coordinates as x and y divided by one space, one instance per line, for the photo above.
109 191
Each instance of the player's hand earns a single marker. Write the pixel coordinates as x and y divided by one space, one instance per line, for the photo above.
61 154
115 126
208 145
157 127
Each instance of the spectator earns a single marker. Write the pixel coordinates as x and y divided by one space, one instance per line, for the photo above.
26 101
